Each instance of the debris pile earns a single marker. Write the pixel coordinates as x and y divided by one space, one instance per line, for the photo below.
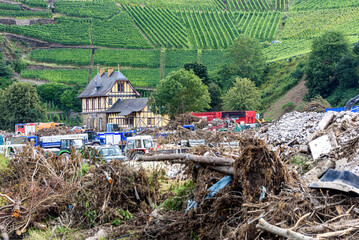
63 130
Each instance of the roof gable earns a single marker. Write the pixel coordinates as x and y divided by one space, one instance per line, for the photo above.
99 86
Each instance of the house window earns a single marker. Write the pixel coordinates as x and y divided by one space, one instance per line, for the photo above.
87 104
99 104
150 121
100 123
93 104
109 101
121 87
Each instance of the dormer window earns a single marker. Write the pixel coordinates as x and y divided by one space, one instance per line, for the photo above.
120 87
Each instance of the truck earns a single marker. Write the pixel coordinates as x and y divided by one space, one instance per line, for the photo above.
44 142
138 145
117 138
32 128
66 143
245 117
94 139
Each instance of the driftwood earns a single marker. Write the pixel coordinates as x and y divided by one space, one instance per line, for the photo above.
219 161
337 226
223 169
263 224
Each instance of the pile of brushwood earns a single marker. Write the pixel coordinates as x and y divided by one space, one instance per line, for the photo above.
54 131
39 191
263 201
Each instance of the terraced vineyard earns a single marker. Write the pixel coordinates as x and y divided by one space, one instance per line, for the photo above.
300 5
67 76
118 31
309 24
149 39
126 57
209 29
62 56
254 5
262 26
68 31
161 26
96 9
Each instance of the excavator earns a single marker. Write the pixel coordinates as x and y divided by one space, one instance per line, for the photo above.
349 105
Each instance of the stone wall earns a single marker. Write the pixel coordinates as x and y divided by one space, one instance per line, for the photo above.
95 121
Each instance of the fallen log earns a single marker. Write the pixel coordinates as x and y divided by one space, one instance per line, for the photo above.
219 161
264 225
223 169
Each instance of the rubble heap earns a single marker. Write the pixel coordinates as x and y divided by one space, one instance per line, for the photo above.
293 125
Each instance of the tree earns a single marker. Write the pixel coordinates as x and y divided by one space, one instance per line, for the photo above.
20 104
245 59
242 96
327 51
181 91
215 93
200 70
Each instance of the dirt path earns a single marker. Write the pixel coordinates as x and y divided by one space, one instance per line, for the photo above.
37 82
294 95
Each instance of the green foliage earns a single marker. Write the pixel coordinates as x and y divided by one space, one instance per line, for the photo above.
21 13
262 26
300 5
68 31
310 24
62 55
62 96
245 59
9 6
172 4
215 93
90 214
302 162
209 29
160 25
212 58
5 73
287 107
327 51
181 91
177 58
125 215
20 104
18 65
200 70
67 76
143 77
85 167
118 31
286 49
255 5
94 8
278 80
181 194
242 96
3 162
127 57
36 3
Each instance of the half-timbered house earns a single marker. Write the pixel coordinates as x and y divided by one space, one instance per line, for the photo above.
111 98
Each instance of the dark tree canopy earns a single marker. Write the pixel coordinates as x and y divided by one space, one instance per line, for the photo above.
327 51
215 93
200 70
20 104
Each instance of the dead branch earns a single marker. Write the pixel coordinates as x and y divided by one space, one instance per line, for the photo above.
340 225
221 161
263 224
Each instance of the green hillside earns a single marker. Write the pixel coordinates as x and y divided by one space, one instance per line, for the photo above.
148 39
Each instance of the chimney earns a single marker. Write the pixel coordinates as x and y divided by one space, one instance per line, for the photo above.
102 71
110 71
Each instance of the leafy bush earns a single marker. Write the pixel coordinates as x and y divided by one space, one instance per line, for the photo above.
287 107
9 6
25 14
180 196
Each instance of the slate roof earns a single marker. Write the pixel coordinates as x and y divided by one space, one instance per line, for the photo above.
127 106
99 86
